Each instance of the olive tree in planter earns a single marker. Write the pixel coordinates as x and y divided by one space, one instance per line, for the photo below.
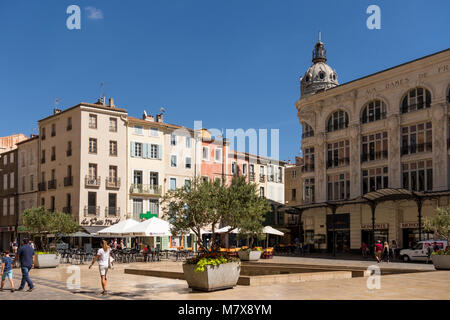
245 210
440 225
194 207
41 222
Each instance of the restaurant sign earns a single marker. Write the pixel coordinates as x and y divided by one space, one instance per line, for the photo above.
378 226
410 225
97 222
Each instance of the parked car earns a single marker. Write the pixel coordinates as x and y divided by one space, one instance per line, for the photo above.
419 251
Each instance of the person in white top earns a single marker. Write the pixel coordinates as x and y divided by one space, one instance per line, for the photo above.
103 259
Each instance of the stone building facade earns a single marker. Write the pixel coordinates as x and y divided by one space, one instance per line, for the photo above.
386 130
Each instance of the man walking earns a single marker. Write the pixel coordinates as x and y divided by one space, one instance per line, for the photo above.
26 258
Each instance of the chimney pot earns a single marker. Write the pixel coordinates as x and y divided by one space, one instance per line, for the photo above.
111 103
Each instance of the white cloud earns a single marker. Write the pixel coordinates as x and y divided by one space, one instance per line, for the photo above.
94 13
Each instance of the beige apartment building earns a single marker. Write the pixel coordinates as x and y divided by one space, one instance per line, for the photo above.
27 175
376 151
10 142
83 163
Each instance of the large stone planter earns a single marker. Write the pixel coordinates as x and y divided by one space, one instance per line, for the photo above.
50 260
441 262
223 276
247 255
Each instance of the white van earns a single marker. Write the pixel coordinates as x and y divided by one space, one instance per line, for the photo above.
419 251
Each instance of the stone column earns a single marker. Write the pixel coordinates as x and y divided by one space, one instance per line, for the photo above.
355 161
320 168
439 147
394 154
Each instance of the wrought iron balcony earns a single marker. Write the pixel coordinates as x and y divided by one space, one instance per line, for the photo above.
92 181
417 148
68 181
251 176
112 182
338 162
262 178
308 168
93 210
371 156
270 177
52 184
307 134
67 209
112 211
42 186
145 189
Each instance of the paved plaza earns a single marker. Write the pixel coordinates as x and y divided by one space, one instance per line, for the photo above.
51 284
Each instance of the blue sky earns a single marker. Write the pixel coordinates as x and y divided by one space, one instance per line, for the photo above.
229 63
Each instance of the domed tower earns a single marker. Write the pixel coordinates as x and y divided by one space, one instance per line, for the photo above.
319 76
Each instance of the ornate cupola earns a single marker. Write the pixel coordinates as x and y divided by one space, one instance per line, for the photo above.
319 76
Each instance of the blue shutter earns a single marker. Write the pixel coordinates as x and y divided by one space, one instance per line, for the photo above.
160 151
132 149
145 150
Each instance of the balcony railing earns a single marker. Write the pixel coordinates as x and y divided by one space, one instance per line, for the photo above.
415 107
112 211
69 152
308 168
307 134
52 184
145 189
371 156
112 182
262 178
92 181
338 162
67 209
417 148
270 177
94 210
42 186
340 126
251 176
68 181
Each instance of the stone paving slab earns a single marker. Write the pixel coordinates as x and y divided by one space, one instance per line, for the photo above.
51 285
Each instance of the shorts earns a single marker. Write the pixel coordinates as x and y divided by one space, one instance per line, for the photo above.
103 270
7 274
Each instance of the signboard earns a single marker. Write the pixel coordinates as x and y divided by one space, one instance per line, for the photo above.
412 225
378 226
148 215
97 222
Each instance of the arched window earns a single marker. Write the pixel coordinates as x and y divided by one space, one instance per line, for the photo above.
338 120
307 131
416 99
373 111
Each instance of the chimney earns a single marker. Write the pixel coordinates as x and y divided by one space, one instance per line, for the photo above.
111 103
159 117
55 110
146 117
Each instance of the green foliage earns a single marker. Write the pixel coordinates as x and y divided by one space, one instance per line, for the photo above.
440 223
210 259
45 252
440 252
193 207
244 209
42 222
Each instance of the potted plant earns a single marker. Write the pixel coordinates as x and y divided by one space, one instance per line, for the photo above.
250 254
41 222
440 225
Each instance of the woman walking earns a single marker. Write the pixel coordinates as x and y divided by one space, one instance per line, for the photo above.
386 251
103 258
